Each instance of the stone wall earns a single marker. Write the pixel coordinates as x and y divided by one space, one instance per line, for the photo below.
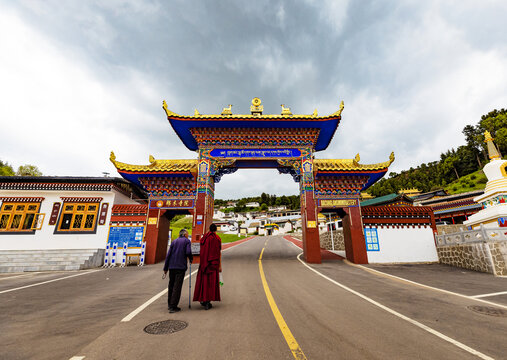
449 229
325 240
490 257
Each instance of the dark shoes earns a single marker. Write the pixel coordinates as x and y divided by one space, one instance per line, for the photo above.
174 310
207 305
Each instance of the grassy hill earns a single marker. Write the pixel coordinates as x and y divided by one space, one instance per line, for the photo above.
474 181
179 223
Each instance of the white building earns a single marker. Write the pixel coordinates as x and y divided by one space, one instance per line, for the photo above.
42 213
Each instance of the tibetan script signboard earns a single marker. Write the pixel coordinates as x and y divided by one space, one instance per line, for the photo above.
338 203
255 153
133 235
172 204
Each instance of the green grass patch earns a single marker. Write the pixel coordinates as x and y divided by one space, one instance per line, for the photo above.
227 238
474 181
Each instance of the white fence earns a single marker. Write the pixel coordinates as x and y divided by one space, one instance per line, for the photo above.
472 236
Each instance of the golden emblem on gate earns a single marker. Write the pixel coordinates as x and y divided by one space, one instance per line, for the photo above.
256 101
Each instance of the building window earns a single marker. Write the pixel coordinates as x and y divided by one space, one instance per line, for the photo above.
80 217
18 217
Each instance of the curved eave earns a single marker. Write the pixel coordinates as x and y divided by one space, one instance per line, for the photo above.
135 176
373 175
351 167
326 125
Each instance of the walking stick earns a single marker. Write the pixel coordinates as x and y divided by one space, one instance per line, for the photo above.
190 286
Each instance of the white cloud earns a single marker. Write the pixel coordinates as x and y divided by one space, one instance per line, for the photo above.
57 114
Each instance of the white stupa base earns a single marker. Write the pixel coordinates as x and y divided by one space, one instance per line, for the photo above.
488 217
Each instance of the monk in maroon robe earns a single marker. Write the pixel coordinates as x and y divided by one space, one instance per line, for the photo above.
207 286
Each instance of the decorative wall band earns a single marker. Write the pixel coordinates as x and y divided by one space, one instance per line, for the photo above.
54 186
81 199
21 199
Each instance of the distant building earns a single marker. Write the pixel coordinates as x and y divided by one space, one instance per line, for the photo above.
389 200
454 209
252 205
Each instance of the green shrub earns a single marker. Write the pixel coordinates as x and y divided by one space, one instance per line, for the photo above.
473 177
454 188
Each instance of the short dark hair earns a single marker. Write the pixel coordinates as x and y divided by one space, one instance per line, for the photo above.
213 227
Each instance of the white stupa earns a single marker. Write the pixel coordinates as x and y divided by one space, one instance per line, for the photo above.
494 206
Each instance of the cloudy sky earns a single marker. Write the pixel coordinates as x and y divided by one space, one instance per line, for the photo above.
81 78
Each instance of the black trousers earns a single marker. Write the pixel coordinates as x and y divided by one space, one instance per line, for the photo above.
176 278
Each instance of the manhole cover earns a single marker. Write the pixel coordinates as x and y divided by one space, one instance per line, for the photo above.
165 327
488 310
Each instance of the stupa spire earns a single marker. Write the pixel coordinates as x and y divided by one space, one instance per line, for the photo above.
492 150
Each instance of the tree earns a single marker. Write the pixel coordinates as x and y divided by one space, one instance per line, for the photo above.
28 170
474 140
6 169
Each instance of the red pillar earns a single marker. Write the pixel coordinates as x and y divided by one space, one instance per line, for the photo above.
353 233
156 236
311 239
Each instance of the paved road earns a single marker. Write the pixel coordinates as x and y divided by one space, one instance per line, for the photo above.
361 315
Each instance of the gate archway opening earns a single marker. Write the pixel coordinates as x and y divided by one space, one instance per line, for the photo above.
228 142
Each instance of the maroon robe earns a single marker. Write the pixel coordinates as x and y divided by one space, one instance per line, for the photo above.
207 286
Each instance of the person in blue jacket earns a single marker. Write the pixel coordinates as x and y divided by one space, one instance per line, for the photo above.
176 263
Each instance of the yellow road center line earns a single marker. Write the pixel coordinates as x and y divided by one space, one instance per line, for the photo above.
287 334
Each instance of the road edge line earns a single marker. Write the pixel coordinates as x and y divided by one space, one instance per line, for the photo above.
401 316
380 273
49 281
149 302
423 285
155 297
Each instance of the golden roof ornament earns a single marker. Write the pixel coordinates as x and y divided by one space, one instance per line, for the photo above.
167 111
256 108
492 150
339 111
227 110
285 110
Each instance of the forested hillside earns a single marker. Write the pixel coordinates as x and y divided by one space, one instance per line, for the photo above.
265 201
453 164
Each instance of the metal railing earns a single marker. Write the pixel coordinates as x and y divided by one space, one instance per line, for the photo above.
472 236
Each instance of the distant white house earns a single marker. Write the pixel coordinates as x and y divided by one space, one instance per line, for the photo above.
217 214
252 204
277 208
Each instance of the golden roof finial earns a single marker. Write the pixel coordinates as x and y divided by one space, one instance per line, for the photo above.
196 113
151 159
339 111
285 110
357 158
112 157
167 111
227 110
492 150
315 113
256 108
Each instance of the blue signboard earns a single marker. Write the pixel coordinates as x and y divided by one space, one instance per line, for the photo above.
133 235
371 238
255 153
